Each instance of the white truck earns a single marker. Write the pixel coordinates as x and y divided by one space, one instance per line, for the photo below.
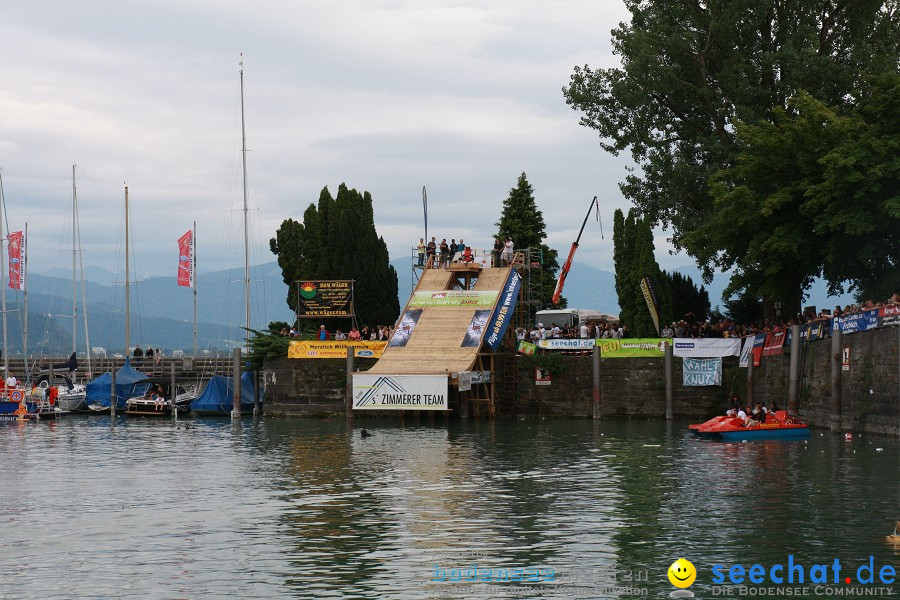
572 317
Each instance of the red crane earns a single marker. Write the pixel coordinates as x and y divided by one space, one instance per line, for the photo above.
557 293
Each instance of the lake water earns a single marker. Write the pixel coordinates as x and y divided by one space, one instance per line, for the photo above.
142 508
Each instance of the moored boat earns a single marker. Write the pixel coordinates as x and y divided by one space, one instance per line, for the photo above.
777 426
153 397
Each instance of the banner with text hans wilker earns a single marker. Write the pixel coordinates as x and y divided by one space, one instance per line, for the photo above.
399 392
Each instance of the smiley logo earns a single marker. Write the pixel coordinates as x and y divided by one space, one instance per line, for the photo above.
682 573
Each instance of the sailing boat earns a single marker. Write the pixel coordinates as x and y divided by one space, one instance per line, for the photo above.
220 405
99 391
69 395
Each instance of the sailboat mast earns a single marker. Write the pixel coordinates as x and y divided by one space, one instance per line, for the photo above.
127 283
194 280
25 294
2 283
84 313
74 281
246 233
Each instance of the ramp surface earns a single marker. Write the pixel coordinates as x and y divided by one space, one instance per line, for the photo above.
435 344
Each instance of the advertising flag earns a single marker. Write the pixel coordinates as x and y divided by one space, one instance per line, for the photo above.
650 297
14 247
186 259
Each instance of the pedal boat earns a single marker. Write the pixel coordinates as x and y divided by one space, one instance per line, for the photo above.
777 426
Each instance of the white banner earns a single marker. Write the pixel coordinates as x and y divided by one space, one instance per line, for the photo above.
707 347
465 381
399 392
746 349
567 344
702 371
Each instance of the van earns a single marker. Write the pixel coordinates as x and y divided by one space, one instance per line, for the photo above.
572 317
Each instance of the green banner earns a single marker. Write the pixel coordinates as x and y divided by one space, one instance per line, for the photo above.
483 299
633 348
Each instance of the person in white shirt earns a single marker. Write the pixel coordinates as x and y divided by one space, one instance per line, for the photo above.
555 331
11 381
535 335
340 335
542 331
585 332
520 333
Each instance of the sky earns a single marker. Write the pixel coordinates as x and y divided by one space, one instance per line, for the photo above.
387 96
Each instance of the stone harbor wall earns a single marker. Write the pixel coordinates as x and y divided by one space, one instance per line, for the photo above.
635 388
870 388
629 387
297 387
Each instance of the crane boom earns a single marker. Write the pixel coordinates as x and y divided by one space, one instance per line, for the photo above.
557 293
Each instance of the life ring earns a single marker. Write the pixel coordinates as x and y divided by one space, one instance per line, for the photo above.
16 395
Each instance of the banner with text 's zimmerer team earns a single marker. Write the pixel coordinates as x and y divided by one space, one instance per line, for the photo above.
333 298
186 259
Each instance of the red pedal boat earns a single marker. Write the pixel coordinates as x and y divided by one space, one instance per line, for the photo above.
777 426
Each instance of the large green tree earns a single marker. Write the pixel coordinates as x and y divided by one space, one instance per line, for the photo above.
690 70
814 192
521 220
634 258
337 240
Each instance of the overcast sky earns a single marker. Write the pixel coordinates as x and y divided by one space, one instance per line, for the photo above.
386 96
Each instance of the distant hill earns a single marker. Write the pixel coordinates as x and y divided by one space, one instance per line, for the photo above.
162 312
586 286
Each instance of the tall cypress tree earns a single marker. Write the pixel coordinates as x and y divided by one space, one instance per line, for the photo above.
338 240
521 220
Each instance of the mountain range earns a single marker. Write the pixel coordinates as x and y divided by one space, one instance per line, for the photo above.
162 312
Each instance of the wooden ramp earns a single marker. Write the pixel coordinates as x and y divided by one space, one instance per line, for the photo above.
435 344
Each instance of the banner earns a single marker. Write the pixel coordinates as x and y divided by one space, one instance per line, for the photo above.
707 347
702 371
774 343
567 344
325 299
503 313
476 328
14 248
632 348
465 381
526 348
186 259
399 392
315 349
861 321
405 328
746 349
474 298
758 342
810 332
650 298
888 316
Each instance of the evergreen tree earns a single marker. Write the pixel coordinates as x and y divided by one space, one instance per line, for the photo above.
521 220
337 240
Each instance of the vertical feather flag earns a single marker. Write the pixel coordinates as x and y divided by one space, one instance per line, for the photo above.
652 304
14 247
186 259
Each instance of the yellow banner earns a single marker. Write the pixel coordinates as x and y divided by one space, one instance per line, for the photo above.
313 349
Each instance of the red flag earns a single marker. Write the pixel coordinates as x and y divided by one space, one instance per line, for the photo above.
185 259
14 248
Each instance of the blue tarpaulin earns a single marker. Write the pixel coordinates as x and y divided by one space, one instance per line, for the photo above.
99 389
217 397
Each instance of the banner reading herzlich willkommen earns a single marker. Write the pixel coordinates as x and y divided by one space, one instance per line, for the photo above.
185 259
14 248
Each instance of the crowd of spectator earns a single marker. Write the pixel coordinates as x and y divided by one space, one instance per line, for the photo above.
373 334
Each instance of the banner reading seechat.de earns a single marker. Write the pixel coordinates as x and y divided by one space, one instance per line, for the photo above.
399 392
633 348
311 349
707 347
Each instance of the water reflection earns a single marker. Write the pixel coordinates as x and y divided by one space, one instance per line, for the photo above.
144 508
